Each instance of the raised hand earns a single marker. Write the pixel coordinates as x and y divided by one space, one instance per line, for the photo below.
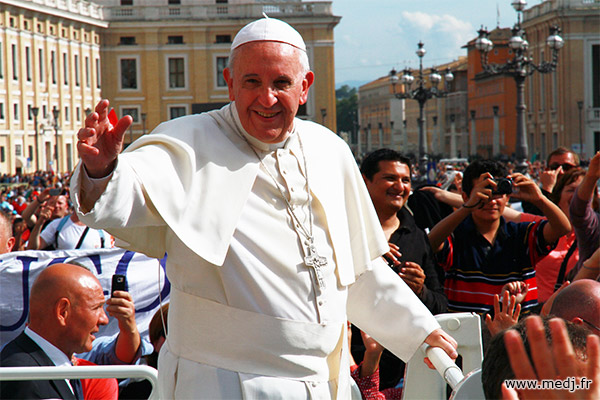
101 140
517 288
525 188
504 316
551 361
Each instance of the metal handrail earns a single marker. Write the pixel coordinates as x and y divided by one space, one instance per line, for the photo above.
80 372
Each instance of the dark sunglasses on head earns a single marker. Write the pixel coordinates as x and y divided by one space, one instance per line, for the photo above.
565 166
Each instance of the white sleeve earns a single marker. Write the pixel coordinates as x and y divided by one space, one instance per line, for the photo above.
382 305
48 233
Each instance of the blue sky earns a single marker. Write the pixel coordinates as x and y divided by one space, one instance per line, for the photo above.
376 35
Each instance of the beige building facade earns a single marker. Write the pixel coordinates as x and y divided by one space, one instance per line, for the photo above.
386 121
563 107
49 63
153 59
162 60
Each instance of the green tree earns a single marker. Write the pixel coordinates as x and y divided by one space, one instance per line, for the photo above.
347 109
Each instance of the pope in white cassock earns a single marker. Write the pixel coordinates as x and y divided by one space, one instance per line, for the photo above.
272 240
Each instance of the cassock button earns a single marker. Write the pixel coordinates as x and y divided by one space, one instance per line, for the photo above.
320 302
314 384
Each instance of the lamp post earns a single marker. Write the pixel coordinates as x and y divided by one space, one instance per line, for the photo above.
520 67
35 111
55 114
580 107
421 94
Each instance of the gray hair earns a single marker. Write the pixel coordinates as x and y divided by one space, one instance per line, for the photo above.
302 59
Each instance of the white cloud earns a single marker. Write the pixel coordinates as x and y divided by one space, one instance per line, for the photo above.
457 32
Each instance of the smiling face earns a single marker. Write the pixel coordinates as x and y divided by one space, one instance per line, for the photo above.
390 187
268 85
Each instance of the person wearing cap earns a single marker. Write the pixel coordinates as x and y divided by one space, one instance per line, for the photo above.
275 245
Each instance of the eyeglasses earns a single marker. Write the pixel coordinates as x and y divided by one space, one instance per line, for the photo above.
590 324
565 166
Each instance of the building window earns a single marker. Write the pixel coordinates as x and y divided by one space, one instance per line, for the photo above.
126 2
98 76
1 110
223 39
174 1
176 112
67 114
28 63
87 72
175 40
18 150
30 151
128 73
221 65
41 64
16 112
14 62
176 73
2 154
127 40
76 68
53 64
78 114
29 114
1 60
131 111
65 69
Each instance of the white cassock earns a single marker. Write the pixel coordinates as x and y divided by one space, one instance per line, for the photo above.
247 316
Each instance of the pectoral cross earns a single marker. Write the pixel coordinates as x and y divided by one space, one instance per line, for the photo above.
316 262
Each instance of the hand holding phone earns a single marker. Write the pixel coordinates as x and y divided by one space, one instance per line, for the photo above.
119 282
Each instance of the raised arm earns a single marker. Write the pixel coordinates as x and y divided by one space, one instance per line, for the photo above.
558 224
586 190
101 140
480 195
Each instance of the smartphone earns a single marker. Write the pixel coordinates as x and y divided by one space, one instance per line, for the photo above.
55 191
119 282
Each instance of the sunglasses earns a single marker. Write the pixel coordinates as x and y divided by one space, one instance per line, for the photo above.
565 166
592 325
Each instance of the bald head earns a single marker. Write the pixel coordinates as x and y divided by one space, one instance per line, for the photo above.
580 303
7 240
66 307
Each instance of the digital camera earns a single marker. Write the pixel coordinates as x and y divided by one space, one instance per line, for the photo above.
503 186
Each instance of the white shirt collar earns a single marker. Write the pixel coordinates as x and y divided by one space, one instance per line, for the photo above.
59 358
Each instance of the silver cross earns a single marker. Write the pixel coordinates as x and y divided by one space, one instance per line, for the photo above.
316 262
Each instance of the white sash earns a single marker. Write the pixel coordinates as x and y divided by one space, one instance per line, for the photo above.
248 342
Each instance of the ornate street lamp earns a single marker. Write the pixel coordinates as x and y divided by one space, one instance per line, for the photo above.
421 94
55 114
34 112
520 67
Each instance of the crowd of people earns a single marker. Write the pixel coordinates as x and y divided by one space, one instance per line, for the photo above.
295 270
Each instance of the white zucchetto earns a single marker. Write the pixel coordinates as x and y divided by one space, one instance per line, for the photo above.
268 30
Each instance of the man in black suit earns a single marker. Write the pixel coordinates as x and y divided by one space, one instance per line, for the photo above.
66 309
